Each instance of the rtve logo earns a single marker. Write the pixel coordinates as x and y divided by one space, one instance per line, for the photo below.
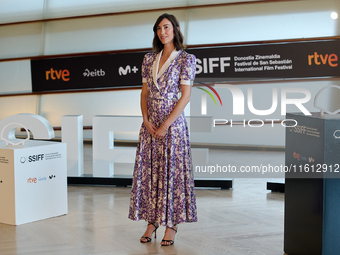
318 59
58 74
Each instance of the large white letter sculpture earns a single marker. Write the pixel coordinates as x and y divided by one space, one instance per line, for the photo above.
72 135
104 152
40 127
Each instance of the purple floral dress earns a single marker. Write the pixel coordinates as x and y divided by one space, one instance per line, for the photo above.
163 183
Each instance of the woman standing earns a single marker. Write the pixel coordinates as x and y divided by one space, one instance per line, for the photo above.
163 191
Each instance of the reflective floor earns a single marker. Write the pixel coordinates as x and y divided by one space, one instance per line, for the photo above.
247 219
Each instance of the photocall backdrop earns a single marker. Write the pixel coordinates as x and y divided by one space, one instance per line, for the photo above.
308 59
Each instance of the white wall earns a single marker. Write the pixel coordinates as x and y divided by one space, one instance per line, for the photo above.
239 23
260 22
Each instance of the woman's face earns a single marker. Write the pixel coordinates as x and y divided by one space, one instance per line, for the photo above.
165 31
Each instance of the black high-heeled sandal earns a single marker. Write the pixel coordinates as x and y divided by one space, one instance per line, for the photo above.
148 239
169 242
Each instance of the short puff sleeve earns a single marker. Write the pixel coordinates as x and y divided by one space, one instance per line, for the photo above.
145 67
188 70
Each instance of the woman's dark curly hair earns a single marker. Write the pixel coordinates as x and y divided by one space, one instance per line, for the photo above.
178 37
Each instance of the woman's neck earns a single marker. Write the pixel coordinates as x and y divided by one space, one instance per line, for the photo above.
168 49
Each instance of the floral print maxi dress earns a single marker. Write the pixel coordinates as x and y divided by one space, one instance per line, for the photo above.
163 183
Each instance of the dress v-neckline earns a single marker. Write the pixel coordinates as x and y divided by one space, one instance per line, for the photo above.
159 72
163 63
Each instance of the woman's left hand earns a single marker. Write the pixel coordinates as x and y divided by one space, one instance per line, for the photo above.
160 132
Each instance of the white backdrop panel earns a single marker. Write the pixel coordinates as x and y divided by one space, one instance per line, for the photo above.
274 21
17 104
53 107
15 77
65 8
20 40
198 2
103 33
20 10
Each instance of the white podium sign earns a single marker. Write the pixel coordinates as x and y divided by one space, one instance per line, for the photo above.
33 181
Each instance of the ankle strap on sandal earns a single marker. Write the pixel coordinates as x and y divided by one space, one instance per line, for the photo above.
174 228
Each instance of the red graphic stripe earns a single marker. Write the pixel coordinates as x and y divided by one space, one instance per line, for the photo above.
213 90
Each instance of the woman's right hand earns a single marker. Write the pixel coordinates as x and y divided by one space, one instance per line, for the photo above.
150 127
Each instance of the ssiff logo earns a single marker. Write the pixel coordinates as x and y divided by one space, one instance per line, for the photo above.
336 134
207 65
32 158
